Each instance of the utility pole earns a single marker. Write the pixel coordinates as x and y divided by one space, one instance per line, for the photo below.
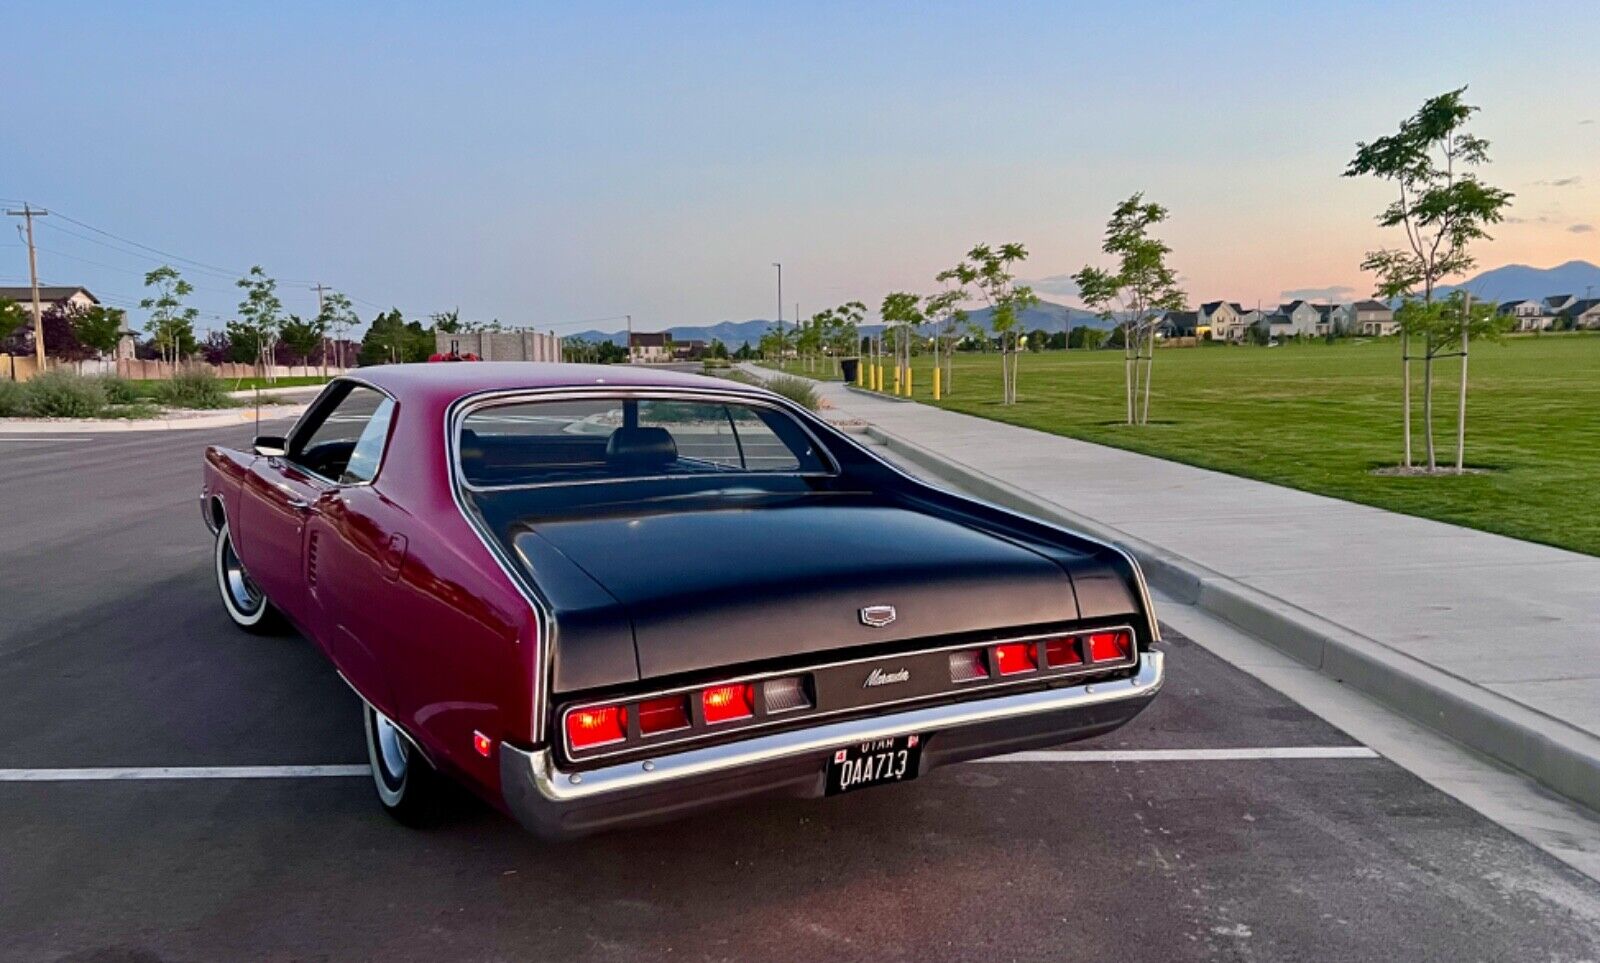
319 287
780 295
630 337
28 214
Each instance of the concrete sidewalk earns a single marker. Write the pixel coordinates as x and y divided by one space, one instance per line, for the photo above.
1492 641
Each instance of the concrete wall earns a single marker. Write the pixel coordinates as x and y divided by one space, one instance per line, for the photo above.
502 345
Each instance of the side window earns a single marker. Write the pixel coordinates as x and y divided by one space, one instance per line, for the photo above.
328 447
368 452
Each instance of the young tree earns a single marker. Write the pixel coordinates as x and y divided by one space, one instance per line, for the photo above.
302 337
1142 286
337 317
99 327
171 324
989 269
1442 207
260 317
901 313
944 312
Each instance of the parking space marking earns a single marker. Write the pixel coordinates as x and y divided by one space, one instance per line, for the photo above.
117 774
134 773
33 440
1188 755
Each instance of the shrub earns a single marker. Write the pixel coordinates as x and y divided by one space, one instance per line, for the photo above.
797 390
62 394
119 391
12 402
192 388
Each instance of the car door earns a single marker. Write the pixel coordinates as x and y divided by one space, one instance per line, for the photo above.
353 557
282 495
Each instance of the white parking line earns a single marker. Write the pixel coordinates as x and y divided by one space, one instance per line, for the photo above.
123 774
1188 755
36 440
179 772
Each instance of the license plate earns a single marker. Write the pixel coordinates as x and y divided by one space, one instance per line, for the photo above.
874 763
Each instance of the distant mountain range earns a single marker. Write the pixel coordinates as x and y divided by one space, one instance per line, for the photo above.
1516 281
1047 315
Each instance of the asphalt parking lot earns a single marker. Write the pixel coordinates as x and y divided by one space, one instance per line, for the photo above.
114 652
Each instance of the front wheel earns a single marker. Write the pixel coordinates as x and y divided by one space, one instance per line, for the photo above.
409 788
244 601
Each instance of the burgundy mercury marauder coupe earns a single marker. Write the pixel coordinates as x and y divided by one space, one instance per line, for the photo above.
600 595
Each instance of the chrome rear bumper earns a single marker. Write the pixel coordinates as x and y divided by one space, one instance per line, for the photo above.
557 804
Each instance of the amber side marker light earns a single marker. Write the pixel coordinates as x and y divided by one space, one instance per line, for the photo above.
725 703
596 726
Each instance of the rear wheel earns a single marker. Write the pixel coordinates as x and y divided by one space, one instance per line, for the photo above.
409 788
244 601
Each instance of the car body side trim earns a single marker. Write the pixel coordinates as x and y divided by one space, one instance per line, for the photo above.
557 786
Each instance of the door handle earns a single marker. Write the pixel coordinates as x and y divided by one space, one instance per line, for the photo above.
299 504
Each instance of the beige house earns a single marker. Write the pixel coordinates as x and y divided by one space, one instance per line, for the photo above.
1526 314
1374 319
649 347
71 299
1225 320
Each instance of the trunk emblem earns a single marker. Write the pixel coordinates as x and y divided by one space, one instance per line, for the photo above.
880 677
877 616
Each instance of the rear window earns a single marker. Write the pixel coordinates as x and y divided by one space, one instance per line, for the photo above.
598 439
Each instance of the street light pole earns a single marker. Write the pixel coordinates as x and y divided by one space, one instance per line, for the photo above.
780 295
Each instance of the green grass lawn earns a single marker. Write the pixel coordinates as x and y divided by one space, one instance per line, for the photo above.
1320 417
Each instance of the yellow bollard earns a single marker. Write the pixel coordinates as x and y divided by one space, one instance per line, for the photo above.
908 381
897 379
880 378
935 384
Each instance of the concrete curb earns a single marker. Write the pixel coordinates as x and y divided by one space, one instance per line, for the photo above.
221 419
878 395
1558 755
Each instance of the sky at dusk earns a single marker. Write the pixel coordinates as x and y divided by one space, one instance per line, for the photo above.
546 165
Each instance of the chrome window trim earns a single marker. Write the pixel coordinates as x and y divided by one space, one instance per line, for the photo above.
1038 674
559 787
588 392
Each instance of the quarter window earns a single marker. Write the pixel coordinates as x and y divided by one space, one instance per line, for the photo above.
347 444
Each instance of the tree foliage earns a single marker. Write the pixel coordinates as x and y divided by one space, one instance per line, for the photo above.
990 270
171 323
392 339
1441 207
260 316
1134 293
12 317
99 327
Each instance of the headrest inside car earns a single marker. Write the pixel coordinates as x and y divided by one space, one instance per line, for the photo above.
640 449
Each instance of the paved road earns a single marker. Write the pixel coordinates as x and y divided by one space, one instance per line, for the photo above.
114 652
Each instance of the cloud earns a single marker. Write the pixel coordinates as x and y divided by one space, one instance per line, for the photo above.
1333 292
1572 181
1582 228
1586 122
1060 284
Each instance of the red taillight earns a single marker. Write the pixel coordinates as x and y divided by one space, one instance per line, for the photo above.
596 726
724 703
1015 657
664 714
1110 646
1063 651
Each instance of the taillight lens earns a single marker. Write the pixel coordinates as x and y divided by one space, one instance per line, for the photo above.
1110 646
1015 657
785 694
596 726
663 715
724 703
968 666
1063 651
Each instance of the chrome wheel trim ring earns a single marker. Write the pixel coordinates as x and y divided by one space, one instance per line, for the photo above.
244 599
390 755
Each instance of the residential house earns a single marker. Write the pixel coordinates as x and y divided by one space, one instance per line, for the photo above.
1177 324
1225 320
1374 319
1556 304
694 350
1582 313
649 347
51 297
1526 314
1335 319
1293 318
